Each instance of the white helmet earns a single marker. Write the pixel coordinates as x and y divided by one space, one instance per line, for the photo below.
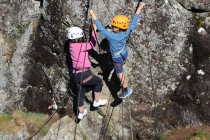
74 33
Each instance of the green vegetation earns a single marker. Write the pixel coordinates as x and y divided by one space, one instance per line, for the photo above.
199 21
163 135
51 70
201 135
18 30
5 117
21 28
85 138
6 123
193 133
12 123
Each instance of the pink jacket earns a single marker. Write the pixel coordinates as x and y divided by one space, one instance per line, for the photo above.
79 54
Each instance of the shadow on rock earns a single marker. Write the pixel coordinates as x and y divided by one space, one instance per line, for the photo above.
105 63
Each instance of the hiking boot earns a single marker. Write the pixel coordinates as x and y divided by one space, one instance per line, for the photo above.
126 92
82 114
100 102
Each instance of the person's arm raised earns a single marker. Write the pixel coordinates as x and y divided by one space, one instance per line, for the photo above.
100 27
92 14
140 7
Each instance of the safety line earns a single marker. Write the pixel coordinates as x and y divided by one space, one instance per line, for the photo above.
42 126
122 123
130 117
106 128
81 76
105 117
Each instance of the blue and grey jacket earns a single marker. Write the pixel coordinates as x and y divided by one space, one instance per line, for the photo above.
117 41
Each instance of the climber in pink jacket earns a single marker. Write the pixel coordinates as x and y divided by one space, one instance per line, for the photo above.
82 74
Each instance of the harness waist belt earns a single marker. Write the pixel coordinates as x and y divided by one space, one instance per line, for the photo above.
119 52
80 69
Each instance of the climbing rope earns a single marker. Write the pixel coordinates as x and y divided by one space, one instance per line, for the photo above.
59 125
86 19
105 117
78 111
122 83
122 123
130 119
106 126
47 121
79 93
96 39
149 55
44 124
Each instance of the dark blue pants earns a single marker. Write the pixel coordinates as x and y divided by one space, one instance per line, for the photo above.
119 61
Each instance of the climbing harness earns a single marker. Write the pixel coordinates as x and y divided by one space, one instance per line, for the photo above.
86 79
119 52
80 69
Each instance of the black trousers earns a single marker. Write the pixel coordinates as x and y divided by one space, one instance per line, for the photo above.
84 80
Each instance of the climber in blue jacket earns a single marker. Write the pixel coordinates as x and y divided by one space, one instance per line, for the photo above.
117 42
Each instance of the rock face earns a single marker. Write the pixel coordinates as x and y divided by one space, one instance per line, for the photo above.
18 19
199 5
20 135
167 66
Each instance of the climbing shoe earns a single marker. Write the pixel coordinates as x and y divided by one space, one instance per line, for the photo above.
100 102
126 92
82 114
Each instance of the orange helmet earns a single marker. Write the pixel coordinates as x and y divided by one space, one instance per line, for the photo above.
120 21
